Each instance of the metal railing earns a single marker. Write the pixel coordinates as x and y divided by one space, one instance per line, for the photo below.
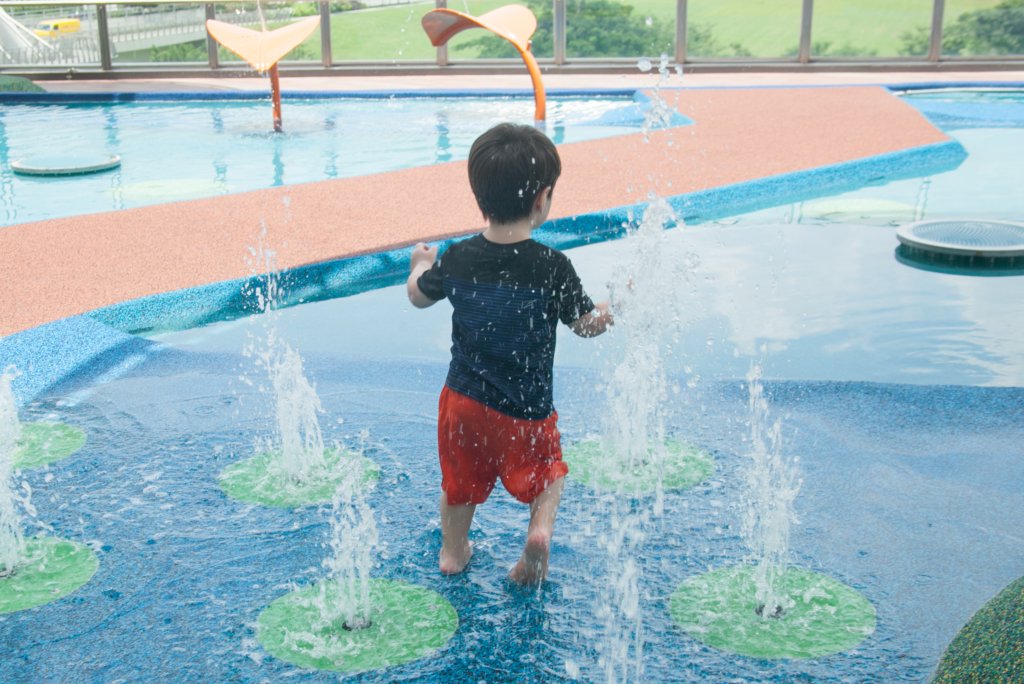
112 28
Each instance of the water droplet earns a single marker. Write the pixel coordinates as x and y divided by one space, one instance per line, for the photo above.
572 669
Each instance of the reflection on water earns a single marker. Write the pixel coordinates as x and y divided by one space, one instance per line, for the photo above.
209 148
818 283
830 302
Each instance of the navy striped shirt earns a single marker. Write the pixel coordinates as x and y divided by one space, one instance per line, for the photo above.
507 301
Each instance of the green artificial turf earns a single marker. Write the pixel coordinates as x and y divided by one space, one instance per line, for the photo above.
990 647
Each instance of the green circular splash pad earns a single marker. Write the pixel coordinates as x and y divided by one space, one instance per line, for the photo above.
53 568
43 443
719 609
683 467
255 480
406 623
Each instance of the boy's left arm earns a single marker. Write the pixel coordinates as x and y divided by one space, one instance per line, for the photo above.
595 323
422 258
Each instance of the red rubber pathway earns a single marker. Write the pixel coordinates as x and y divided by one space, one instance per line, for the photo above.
67 266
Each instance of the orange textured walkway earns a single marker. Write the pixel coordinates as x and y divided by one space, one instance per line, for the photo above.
67 266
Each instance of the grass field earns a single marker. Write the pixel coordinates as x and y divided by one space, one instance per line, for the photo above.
764 28
395 33
755 28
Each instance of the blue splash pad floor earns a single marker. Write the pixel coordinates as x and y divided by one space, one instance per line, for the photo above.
911 495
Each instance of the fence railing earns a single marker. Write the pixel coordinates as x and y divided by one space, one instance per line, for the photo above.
114 36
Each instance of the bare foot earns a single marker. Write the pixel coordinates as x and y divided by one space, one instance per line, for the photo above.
532 566
452 563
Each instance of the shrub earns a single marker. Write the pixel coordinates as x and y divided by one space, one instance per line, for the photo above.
17 84
998 30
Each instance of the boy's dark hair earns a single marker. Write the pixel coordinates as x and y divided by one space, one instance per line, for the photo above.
508 167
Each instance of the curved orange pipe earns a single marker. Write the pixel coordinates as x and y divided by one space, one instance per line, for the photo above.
539 98
263 49
514 23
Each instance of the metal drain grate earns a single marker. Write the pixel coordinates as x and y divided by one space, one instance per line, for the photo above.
974 238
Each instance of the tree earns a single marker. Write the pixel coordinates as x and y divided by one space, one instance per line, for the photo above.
701 42
308 9
998 30
194 51
17 84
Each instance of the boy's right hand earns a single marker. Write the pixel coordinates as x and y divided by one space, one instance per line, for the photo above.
422 254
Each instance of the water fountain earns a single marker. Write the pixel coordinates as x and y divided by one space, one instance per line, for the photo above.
263 49
766 609
772 485
770 609
347 622
350 622
35 570
294 468
633 455
634 461
514 23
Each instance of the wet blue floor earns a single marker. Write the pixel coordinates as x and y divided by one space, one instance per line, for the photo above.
912 495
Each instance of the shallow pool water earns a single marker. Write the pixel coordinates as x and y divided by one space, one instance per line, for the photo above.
183 149
899 390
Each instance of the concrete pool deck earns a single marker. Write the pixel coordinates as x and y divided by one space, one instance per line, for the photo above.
63 267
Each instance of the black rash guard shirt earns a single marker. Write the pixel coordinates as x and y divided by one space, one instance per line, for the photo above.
507 300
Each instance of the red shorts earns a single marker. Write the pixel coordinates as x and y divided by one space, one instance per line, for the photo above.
478 444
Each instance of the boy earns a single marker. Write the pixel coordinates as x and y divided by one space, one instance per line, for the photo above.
508 293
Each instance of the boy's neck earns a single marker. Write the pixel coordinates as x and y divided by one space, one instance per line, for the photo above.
508 233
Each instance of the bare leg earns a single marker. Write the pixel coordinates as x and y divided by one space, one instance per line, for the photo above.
455 547
532 567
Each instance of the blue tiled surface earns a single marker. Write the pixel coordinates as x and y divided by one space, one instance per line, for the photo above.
907 497
49 353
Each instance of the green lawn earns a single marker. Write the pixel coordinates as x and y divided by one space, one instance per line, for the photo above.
771 28
395 33
763 28
758 28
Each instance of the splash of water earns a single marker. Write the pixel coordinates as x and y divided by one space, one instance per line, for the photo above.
634 432
300 449
772 485
298 405
660 113
353 544
12 538
343 602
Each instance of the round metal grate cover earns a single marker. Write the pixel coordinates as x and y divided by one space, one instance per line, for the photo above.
965 237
